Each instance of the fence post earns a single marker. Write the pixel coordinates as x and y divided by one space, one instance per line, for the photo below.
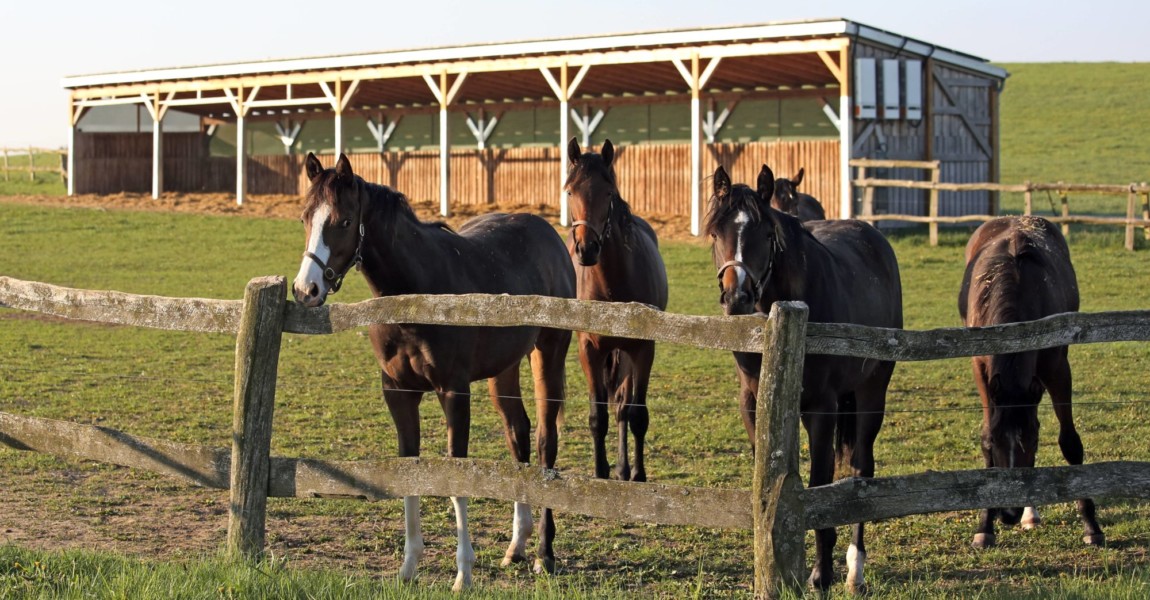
5 164
934 178
31 165
1065 200
1131 206
1028 200
780 527
257 360
1146 212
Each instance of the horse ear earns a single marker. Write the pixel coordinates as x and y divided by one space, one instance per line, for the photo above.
608 153
343 168
722 182
314 168
798 178
766 184
573 152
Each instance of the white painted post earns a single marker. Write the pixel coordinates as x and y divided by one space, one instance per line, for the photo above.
444 149
338 106
72 121
157 150
846 135
564 137
696 149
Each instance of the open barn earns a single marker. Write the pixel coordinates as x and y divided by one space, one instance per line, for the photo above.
481 124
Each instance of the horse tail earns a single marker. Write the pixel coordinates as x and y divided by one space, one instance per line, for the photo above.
846 432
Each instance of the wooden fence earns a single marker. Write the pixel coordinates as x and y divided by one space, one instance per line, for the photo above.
654 178
777 507
1132 192
26 162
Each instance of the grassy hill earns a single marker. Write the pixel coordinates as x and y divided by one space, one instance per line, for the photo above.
1079 122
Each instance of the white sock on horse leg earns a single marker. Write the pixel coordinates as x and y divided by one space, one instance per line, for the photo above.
464 553
412 539
855 562
521 528
1031 518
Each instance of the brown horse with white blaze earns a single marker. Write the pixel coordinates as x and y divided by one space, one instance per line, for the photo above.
616 256
349 221
1019 269
846 272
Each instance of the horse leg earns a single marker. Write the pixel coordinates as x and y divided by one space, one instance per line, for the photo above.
404 408
507 398
748 365
618 379
594 363
640 418
1057 378
870 406
820 433
984 536
550 374
456 405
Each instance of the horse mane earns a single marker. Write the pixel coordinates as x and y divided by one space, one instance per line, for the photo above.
999 276
380 201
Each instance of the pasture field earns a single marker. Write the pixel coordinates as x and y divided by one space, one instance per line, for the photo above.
178 386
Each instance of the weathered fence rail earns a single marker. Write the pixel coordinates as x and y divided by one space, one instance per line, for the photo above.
1132 191
777 507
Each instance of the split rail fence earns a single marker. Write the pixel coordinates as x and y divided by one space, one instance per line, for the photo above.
1132 191
23 160
778 508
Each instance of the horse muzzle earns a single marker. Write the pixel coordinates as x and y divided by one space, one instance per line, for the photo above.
736 302
310 293
587 253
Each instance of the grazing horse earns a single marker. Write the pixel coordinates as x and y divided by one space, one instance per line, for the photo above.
1018 269
617 259
790 200
348 221
845 271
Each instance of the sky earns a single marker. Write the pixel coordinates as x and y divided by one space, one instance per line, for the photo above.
38 48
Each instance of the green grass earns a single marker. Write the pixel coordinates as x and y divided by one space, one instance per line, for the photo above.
178 386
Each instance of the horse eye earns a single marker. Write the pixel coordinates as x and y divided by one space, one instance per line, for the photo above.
346 223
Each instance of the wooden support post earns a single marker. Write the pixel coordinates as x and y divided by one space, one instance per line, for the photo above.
868 204
1065 200
5 164
31 165
1146 212
780 554
933 210
1028 200
257 360
1131 207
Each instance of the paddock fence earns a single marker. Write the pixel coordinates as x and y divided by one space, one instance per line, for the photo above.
1132 191
24 160
778 508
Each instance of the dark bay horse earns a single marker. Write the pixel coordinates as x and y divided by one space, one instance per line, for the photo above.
349 221
616 256
1019 269
790 200
846 272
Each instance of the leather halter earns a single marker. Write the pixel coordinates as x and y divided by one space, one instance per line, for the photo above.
600 237
335 280
757 284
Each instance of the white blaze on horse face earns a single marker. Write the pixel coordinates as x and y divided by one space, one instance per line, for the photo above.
309 270
413 538
464 553
742 219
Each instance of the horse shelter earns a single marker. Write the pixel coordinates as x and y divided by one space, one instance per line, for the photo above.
489 123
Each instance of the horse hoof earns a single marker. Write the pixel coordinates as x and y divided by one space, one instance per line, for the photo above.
1031 524
545 565
623 474
1096 539
511 559
983 541
858 589
818 582
461 584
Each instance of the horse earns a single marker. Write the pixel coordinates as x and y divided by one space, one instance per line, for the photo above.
1019 269
790 200
846 272
349 221
616 256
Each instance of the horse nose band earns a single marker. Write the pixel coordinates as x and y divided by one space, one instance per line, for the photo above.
335 280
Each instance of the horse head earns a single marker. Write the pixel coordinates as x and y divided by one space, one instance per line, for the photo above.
591 192
333 228
745 239
786 196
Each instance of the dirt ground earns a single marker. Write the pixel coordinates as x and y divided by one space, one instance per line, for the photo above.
82 505
670 227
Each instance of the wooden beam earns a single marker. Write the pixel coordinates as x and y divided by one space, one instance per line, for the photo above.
832 66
